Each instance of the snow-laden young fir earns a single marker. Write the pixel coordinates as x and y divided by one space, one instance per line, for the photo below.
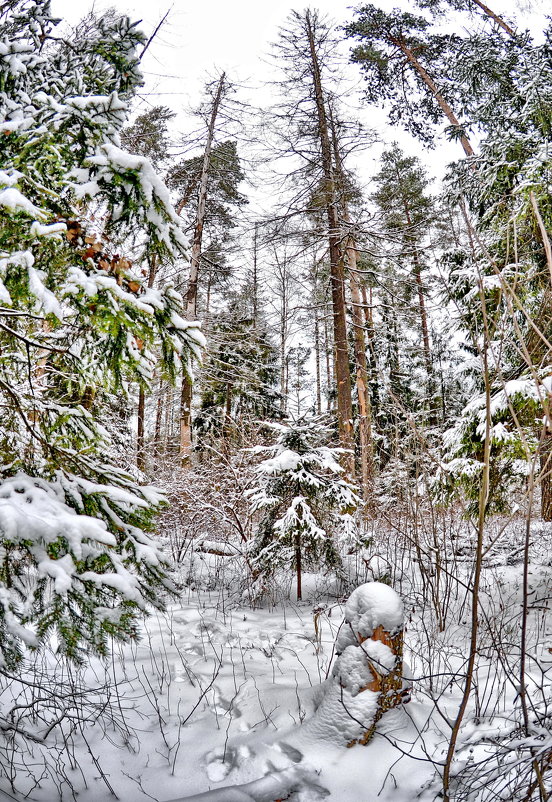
80 220
304 502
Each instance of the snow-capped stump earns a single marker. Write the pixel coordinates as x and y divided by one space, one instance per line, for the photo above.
367 677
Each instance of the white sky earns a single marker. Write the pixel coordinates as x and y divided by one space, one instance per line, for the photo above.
203 37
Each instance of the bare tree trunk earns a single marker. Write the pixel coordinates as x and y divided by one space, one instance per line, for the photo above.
283 342
337 273
227 426
158 420
363 390
329 377
169 419
317 363
140 435
361 367
195 256
255 278
298 566
185 420
191 294
140 439
369 323
546 476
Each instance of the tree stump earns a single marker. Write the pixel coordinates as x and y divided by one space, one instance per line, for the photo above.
367 677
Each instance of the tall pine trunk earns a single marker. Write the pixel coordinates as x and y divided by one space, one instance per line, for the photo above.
317 362
337 272
298 566
363 389
546 477
359 345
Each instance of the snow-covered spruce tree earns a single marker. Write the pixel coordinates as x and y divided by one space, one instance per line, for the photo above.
507 83
76 326
516 424
304 503
238 378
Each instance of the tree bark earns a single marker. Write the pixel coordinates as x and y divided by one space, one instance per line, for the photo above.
140 439
255 277
361 367
546 476
140 435
371 337
191 293
389 686
283 341
328 349
363 389
317 363
337 273
158 420
298 566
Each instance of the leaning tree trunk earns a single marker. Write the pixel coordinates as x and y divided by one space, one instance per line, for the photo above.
433 88
491 14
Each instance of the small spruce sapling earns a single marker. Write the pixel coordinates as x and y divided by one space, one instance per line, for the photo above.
303 502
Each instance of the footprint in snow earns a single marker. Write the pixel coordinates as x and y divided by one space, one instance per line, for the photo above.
220 762
289 751
223 706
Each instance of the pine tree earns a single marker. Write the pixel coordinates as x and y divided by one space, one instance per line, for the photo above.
148 135
407 216
303 501
405 67
76 326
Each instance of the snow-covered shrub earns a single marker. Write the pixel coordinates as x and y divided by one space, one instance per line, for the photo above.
304 503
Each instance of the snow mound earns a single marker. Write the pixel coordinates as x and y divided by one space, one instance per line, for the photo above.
349 707
370 606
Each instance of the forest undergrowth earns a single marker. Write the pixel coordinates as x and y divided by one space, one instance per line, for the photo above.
219 691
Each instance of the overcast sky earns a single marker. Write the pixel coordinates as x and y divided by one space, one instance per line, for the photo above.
204 37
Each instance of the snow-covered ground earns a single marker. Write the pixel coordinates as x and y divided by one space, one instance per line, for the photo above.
216 702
